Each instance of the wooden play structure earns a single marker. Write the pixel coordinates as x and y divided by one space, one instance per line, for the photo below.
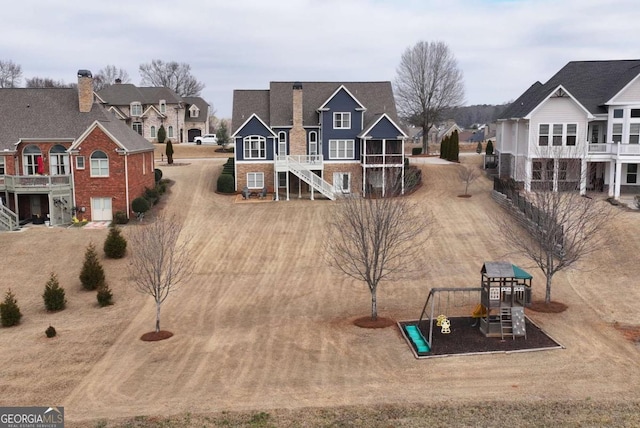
497 306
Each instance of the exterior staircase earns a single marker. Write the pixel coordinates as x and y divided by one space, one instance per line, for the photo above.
8 219
506 322
302 171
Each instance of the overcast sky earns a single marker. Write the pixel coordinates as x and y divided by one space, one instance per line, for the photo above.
502 46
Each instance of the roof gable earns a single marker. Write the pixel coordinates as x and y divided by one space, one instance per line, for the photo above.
383 127
629 93
252 122
336 92
559 92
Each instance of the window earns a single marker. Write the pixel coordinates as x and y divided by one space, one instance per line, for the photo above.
137 126
163 106
543 139
32 160
2 165
542 170
632 173
152 131
341 149
255 147
282 179
618 113
99 164
557 135
170 132
617 133
562 170
194 111
635 112
313 143
136 109
255 180
572 130
341 120
282 143
634 133
59 161
342 182
79 162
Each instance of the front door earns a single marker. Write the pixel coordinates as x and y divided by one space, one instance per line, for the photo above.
101 209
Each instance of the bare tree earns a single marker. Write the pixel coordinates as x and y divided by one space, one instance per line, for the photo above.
562 227
373 240
108 75
45 82
428 83
173 75
10 74
467 174
159 260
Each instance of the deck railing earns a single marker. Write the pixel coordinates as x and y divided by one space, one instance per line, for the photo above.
614 149
33 182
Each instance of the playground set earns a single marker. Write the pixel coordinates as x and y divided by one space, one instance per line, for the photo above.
496 308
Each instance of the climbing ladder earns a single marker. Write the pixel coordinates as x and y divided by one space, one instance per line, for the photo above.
506 322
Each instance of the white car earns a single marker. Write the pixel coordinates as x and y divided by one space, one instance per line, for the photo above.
206 139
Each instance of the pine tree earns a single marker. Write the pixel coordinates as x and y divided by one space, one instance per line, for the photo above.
104 296
53 296
489 149
9 311
162 134
479 147
92 274
455 147
444 147
115 246
169 152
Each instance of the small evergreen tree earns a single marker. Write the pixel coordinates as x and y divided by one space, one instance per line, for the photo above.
140 205
169 152
9 311
489 149
115 246
454 151
53 296
50 332
223 134
104 296
162 134
92 274
444 147
479 147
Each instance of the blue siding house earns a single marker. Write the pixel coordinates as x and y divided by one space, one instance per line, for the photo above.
310 139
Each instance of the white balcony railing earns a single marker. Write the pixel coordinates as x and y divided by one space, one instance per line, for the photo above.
34 182
614 149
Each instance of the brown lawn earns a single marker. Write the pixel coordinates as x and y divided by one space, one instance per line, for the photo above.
264 325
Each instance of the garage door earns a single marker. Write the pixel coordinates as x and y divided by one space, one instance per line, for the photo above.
101 209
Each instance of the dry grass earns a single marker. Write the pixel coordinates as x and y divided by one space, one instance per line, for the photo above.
264 333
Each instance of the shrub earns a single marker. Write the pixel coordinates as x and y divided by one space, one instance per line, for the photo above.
162 134
169 152
50 332
9 311
140 205
92 273
115 246
104 296
162 187
479 147
416 151
120 217
158 174
226 183
152 195
53 296
489 149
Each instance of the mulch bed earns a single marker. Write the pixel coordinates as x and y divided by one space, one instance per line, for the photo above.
367 322
467 339
153 336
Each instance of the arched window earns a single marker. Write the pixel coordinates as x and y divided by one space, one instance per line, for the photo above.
255 147
59 161
32 160
282 143
313 143
99 164
152 130
170 132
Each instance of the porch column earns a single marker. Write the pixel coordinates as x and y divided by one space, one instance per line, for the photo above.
275 185
616 194
556 169
527 175
612 172
583 176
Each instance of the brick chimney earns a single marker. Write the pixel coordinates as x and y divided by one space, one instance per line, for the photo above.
297 135
85 91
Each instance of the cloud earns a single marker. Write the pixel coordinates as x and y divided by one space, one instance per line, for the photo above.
502 47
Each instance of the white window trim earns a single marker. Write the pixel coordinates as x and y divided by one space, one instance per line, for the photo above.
163 106
131 109
194 111
80 162
247 147
100 167
337 183
344 117
349 149
255 178
170 131
563 135
2 165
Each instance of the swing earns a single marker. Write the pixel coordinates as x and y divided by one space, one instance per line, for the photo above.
443 321
446 324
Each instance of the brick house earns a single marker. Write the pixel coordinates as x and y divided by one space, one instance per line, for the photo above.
62 154
145 109
324 137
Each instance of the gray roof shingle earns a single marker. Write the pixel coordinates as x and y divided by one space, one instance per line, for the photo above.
202 105
592 83
125 93
52 113
274 106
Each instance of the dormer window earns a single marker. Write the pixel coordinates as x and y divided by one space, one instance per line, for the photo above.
163 106
194 111
136 109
